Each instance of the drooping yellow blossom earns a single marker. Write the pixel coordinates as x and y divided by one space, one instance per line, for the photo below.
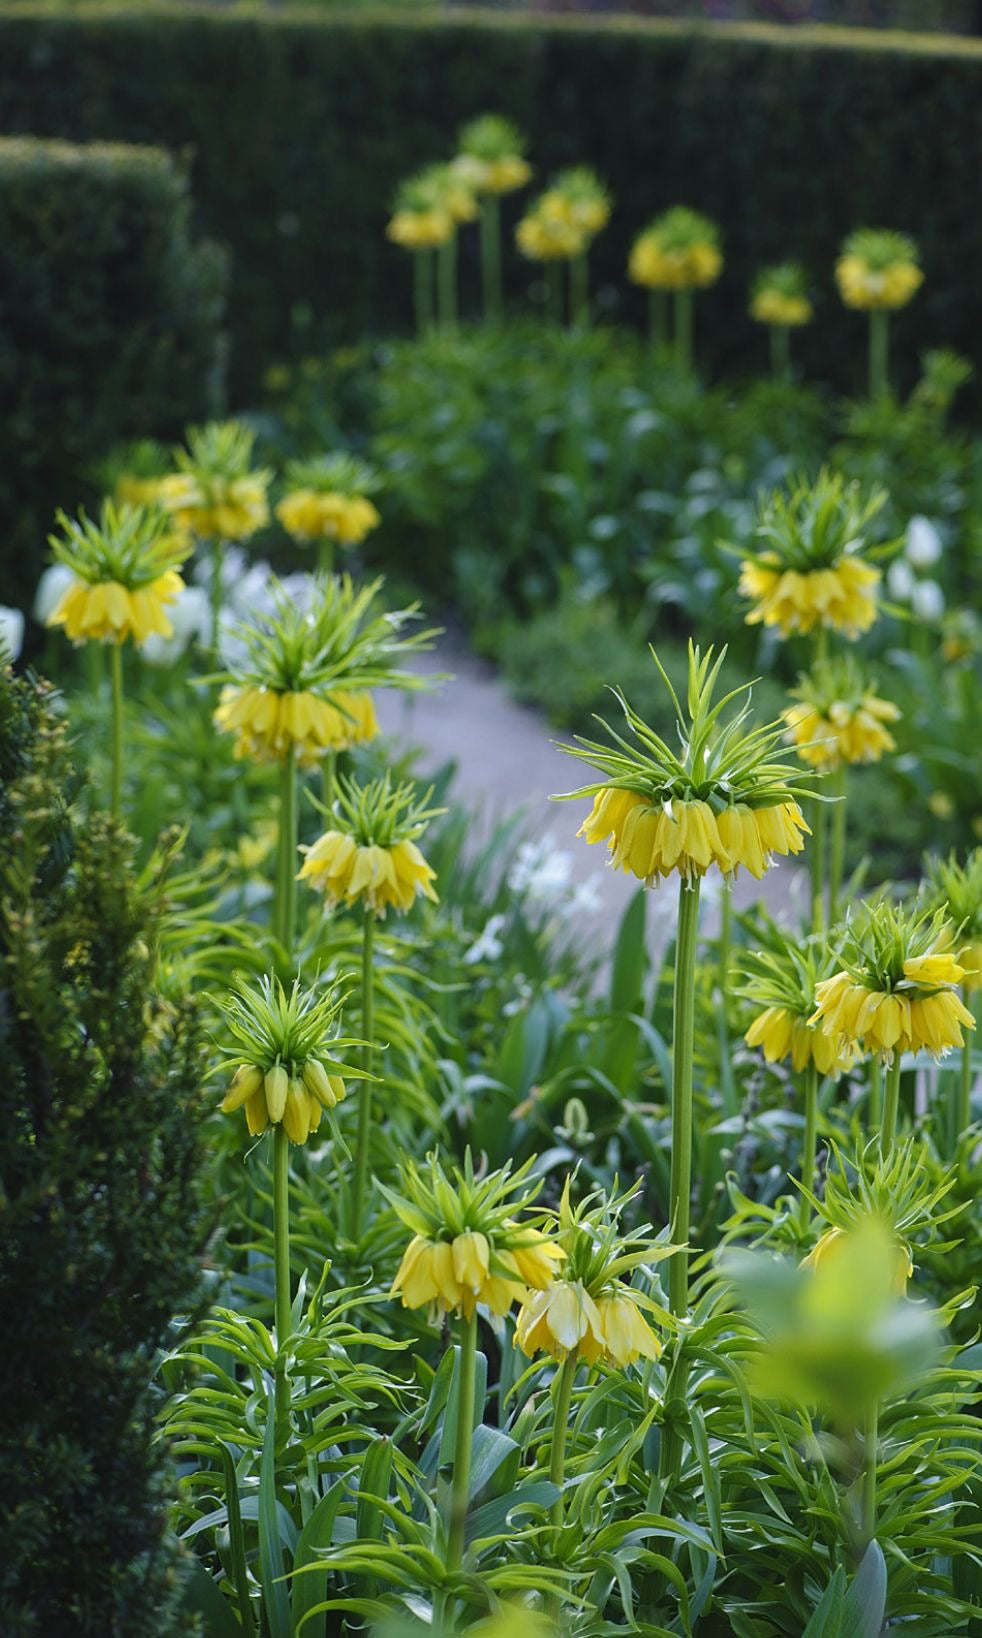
267 724
780 297
653 839
954 886
370 856
841 597
285 1044
836 1245
307 515
783 1035
544 239
878 269
781 983
577 200
678 251
216 493
420 229
896 996
491 155
125 574
838 719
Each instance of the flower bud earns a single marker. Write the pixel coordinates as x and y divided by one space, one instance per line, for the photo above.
321 1085
246 1080
296 1113
277 1083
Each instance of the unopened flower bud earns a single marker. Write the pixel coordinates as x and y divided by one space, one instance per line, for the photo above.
246 1080
277 1084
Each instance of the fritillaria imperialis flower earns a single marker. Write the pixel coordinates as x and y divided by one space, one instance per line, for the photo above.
678 251
877 269
125 574
286 1069
781 983
468 1246
835 1247
491 157
838 719
809 570
216 491
722 801
327 499
897 990
956 888
780 297
369 855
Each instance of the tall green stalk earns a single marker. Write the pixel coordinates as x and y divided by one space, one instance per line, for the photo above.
423 289
816 863
780 347
870 1447
116 747
329 769
460 1489
281 1258
217 564
363 1142
965 1083
809 1142
579 305
891 1104
285 905
837 854
879 352
657 318
491 256
554 290
875 1101
682 1052
325 555
447 282
683 329
564 1380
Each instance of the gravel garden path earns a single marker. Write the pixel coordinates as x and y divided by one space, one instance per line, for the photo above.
507 761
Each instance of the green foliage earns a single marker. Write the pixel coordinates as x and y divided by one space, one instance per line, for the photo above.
305 216
109 317
101 1214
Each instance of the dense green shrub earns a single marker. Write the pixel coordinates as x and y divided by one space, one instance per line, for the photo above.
109 323
101 1217
302 123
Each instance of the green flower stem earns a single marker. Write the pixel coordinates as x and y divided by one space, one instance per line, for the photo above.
329 770
873 1112
116 764
837 853
965 1086
871 1444
365 1087
817 866
423 289
780 345
217 562
325 555
888 1130
682 1051
281 1257
554 291
657 325
809 1142
447 282
562 1394
879 352
285 906
460 1489
579 305
683 329
491 256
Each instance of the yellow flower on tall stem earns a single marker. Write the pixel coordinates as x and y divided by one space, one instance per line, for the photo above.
954 886
679 253
896 992
217 495
877 273
779 299
284 1055
369 857
429 208
327 501
491 159
125 569
559 227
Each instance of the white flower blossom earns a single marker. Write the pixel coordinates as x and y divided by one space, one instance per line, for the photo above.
927 600
52 585
488 945
190 615
900 580
11 632
923 542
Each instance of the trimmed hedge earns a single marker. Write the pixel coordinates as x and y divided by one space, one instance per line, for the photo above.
109 324
301 124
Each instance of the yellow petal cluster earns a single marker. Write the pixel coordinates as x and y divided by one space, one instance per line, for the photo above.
506 174
378 877
842 597
267 723
309 514
109 612
845 733
545 239
836 1243
782 1034
564 1317
908 1020
453 1276
219 509
970 957
777 307
652 841
273 1096
865 287
420 229
693 267
581 215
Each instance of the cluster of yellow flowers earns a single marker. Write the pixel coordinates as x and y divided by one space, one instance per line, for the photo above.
678 251
369 856
431 205
780 297
564 1318
784 1034
921 1011
653 839
455 1275
267 723
125 569
837 718
276 1095
877 270
835 1247
308 515
841 596
563 221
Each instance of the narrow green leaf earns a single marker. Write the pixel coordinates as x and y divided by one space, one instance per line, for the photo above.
628 960
275 1598
311 1588
239 1574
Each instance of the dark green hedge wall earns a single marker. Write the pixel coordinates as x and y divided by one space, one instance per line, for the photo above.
110 322
300 125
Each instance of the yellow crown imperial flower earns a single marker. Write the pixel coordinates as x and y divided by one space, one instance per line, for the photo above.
303 685
125 569
548 238
834 1247
678 251
467 1241
285 1056
896 991
589 1311
420 229
429 207
956 889
780 297
838 719
782 981
809 570
216 492
369 856
576 200
327 499
491 157
877 269
722 802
